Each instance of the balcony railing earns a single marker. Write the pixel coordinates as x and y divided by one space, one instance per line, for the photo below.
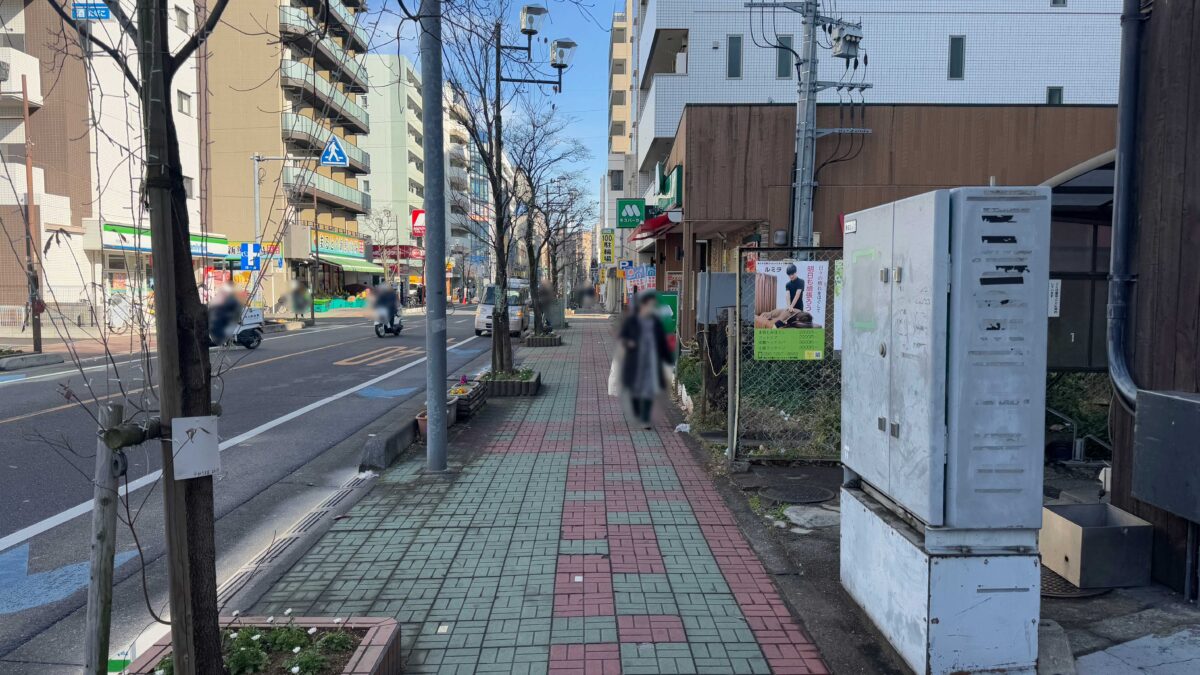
19 63
298 74
300 181
301 24
306 129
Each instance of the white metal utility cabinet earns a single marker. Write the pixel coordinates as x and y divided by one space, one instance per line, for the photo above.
943 380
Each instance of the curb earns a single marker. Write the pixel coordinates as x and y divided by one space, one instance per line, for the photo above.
282 327
246 586
390 435
29 361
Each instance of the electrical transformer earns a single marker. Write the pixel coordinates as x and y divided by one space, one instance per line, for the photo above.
943 376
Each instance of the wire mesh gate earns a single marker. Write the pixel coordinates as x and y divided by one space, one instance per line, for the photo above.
787 375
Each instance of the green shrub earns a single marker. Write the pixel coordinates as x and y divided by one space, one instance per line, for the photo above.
287 638
335 642
308 661
246 660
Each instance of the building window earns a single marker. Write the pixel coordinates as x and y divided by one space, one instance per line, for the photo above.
366 186
733 57
618 35
1058 3
616 180
189 187
783 58
1054 95
183 102
618 129
958 57
618 67
181 19
618 97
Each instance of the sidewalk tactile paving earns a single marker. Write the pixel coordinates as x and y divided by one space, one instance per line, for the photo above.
565 542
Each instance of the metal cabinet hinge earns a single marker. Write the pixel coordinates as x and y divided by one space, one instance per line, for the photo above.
895 430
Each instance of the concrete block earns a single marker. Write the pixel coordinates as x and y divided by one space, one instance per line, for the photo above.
29 361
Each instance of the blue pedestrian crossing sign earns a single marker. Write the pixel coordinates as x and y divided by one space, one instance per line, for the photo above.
334 154
251 257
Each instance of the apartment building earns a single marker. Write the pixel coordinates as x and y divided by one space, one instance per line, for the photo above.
621 179
962 52
283 95
397 182
89 228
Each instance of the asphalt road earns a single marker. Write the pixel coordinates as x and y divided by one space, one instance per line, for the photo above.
284 404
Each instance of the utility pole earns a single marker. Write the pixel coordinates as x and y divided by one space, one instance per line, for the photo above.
807 133
435 239
35 303
104 546
256 277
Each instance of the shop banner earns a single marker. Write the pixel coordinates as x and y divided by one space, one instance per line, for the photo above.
789 310
341 244
608 245
640 278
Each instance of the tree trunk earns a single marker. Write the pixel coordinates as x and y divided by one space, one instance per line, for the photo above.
191 335
534 281
502 359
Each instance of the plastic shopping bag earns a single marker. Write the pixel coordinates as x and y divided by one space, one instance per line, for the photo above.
614 373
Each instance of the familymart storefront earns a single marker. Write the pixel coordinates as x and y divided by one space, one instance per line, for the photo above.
121 261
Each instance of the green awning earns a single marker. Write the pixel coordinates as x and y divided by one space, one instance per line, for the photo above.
351 264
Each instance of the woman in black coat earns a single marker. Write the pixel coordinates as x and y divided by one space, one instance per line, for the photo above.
646 351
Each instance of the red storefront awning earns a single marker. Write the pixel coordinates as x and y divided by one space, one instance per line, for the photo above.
652 228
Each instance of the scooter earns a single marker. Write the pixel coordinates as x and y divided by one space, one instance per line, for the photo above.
382 327
248 333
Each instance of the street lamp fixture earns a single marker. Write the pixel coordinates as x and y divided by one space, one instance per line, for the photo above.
532 18
562 52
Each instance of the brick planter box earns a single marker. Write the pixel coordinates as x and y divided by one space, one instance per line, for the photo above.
451 416
515 387
543 341
377 654
470 403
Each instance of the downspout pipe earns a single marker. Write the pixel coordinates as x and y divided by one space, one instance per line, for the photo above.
1124 226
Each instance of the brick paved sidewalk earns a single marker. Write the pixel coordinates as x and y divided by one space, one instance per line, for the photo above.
569 542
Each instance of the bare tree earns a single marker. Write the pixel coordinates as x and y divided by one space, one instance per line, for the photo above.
567 218
476 99
542 150
147 63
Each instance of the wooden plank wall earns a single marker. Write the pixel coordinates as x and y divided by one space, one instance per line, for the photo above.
737 157
1166 341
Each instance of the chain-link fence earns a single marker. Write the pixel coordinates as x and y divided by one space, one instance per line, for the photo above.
788 371
1078 409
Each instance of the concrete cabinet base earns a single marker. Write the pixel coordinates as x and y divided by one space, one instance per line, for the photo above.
943 614
1096 545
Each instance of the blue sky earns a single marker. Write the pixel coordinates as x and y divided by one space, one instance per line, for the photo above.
585 85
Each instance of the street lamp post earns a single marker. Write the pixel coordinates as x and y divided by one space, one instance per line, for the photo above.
562 52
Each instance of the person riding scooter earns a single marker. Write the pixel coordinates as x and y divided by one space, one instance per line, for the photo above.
387 306
223 312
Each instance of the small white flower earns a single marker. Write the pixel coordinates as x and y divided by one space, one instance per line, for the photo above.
270 619
242 649
255 638
233 634
312 631
295 650
295 669
160 672
337 620
287 612
235 613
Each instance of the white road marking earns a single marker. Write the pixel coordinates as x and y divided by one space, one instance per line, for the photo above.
31 531
76 371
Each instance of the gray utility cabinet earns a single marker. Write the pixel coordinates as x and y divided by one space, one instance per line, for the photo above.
944 354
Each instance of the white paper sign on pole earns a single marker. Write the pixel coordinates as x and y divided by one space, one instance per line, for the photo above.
196 447
1055 298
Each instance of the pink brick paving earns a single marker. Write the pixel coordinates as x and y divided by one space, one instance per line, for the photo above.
571 544
634 548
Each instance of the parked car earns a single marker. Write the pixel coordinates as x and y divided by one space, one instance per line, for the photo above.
518 311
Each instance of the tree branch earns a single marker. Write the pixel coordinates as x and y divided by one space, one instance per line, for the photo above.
104 47
185 52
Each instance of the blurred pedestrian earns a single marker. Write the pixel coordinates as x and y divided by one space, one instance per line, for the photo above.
645 356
